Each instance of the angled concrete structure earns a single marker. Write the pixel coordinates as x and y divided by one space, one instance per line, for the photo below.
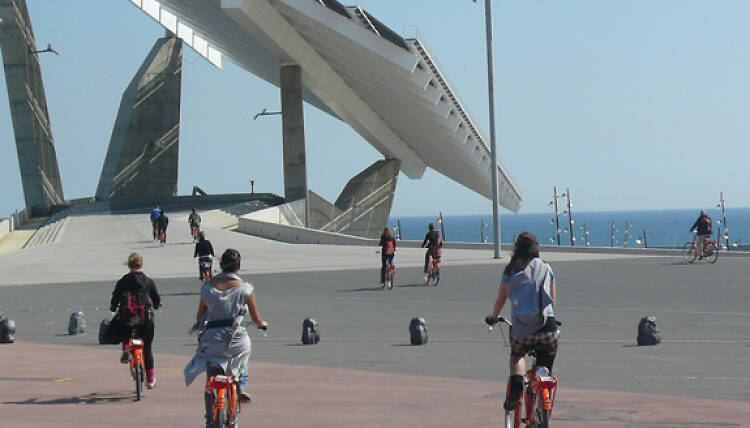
388 88
37 158
361 210
143 154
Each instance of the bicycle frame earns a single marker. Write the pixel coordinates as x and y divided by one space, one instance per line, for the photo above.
135 348
223 392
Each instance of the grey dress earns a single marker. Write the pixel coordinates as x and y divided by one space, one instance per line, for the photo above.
225 347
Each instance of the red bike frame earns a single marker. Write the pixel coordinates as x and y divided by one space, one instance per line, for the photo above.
223 392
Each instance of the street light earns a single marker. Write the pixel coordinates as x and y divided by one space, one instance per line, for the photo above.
265 112
49 49
493 140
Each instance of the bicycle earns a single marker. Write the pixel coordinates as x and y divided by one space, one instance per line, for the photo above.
136 363
223 390
535 406
710 250
194 230
162 237
205 264
390 273
433 271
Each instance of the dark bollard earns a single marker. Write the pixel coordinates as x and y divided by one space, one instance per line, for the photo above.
7 329
310 332
648 332
76 324
418 331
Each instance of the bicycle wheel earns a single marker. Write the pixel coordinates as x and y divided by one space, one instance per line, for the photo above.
138 377
221 419
541 416
688 252
711 253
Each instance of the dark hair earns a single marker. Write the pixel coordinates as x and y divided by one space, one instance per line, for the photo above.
385 232
525 250
193 209
431 226
201 236
230 260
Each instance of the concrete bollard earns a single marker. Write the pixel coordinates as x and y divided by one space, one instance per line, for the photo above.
76 324
310 332
418 331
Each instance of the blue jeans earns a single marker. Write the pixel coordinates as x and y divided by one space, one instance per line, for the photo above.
241 383
383 259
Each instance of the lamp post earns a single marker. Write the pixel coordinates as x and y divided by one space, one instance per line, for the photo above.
723 219
265 112
553 202
493 139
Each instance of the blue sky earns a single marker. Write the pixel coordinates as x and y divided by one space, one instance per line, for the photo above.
632 104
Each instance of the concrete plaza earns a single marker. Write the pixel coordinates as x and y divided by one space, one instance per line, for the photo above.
364 372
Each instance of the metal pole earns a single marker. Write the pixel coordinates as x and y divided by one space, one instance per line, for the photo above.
612 236
557 216
400 233
645 240
724 219
493 144
442 226
570 221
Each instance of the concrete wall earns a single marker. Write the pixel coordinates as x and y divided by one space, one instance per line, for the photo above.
5 227
143 155
37 157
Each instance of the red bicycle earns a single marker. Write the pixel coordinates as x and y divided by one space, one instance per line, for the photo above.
710 250
225 404
205 264
433 270
194 230
539 393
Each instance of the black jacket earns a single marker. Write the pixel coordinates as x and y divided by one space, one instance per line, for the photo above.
162 222
134 281
433 238
703 224
203 248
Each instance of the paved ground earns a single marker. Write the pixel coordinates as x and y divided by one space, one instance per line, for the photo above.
364 355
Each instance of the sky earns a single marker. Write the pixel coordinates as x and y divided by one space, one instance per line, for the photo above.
633 105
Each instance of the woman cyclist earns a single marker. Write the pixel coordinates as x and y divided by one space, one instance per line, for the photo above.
224 346
204 251
135 285
387 252
528 283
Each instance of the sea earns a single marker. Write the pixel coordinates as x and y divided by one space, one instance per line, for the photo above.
653 229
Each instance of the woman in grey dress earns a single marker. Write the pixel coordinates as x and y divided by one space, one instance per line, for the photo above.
224 346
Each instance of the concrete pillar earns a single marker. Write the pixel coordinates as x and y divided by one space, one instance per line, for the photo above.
37 157
293 123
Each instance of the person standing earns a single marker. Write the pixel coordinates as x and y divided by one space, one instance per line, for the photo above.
702 227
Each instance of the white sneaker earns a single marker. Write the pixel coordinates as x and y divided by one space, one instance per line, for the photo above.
151 385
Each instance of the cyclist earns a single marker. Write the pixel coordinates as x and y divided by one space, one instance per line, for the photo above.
703 228
224 344
387 252
155 213
133 289
194 221
203 250
434 243
529 284
161 223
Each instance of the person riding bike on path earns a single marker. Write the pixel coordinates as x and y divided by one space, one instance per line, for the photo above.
162 222
529 284
155 213
433 242
203 248
132 288
224 344
387 252
194 221
703 228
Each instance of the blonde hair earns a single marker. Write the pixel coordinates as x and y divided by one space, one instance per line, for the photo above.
135 261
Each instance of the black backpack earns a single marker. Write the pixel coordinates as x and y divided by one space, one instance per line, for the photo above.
310 333
648 332
136 307
7 330
76 324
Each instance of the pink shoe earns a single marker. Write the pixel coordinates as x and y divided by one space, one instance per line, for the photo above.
150 378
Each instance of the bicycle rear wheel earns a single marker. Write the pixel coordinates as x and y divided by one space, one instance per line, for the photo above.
221 419
138 377
711 253
541 416
688 252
